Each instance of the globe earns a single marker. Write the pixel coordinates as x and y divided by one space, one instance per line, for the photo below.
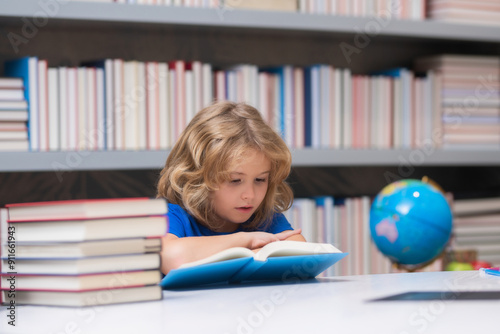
410 222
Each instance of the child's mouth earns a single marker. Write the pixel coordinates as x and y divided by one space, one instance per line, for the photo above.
245 208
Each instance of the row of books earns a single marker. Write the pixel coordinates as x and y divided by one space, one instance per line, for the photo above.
457 11
81 252
130 105
13 115
385 9
477 227
470 99
345 224
465 11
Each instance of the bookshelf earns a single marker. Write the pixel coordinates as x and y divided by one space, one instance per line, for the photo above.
70 32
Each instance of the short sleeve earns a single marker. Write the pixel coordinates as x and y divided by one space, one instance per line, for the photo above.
279 224
177 220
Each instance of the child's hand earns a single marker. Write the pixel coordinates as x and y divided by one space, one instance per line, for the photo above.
260 239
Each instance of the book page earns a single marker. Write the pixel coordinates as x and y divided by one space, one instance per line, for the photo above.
291 248
227 254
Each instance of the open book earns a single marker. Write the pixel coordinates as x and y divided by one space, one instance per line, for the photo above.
282 260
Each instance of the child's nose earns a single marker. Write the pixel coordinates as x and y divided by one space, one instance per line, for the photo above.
248 192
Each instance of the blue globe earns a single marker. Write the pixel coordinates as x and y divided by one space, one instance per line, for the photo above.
410 222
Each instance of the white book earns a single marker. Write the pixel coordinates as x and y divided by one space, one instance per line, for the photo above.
375 113
100 105
63 94
73 129
407 96
366 236
83 110
91 112
276 105
197 68
130 107
163 107
263 105
325 107
141 113
190 95
231 87
397 139
153 108
34 116
288 106
220 86
12 94
315 107
208 83
118 104
109 110
338 108
43 105
53 109
347 108
299 112
180 106
173 105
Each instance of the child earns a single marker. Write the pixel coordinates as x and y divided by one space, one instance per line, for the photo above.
225 183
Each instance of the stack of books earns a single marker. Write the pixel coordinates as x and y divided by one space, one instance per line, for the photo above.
13 115
81 252
476 227
470 99
485 12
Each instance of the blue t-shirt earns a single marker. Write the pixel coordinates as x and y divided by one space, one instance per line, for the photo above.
182 224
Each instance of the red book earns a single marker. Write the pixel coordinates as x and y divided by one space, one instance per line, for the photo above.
86 209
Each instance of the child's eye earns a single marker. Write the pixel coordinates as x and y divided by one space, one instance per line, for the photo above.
235 181
261 180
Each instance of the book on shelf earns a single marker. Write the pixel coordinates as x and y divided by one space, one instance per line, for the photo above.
281 260
476 226
474 206
14 105
27 69
278 5
11 83
84 298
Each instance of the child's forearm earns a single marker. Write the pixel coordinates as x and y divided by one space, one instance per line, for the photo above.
177 251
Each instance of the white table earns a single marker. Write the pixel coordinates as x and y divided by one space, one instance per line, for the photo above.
329 305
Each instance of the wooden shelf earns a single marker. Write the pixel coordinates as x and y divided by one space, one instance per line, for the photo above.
129 160
226 17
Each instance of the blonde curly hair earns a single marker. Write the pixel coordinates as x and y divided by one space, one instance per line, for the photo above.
216 138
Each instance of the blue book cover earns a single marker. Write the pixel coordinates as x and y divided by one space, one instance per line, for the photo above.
277 261
27 69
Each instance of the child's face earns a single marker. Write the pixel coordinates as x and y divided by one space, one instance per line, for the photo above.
237 199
